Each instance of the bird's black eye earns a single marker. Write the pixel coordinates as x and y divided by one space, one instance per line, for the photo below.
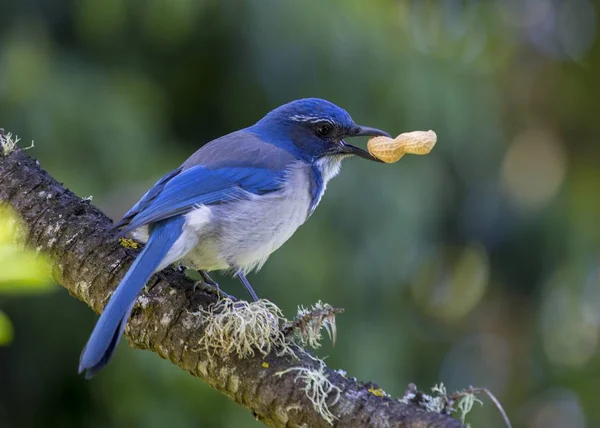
324 130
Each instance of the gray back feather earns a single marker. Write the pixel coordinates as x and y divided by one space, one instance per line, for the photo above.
241 149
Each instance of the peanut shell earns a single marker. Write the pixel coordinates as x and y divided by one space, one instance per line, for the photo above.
390 150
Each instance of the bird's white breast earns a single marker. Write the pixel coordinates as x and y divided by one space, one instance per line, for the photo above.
242 234
329 167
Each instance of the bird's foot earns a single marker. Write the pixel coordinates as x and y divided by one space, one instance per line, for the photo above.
211 286
213 289
207 279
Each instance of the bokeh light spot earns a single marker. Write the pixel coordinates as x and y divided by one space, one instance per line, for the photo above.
479 359
569 337
451 281
533 169
555 408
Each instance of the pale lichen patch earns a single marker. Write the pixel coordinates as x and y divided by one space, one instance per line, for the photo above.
191 320
243 328
52 229
82 287
318 389
163 351
223 375
72 238
233 384
440 401
143 301
8 143
166 318
203 368
43 194
309 323
465 405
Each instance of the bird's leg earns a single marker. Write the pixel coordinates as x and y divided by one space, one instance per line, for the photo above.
210 285
207 284
208 280
247 285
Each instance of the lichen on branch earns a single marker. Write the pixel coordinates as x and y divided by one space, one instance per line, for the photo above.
8 143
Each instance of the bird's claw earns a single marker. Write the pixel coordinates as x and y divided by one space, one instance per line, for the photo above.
211 286
212 289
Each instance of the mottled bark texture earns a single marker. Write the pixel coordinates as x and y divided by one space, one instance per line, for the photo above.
89 262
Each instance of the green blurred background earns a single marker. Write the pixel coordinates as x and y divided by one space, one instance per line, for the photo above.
475 265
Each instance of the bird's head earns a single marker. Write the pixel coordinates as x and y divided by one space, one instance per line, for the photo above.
317 129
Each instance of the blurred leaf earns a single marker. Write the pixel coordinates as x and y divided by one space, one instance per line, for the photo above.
6 330
23 271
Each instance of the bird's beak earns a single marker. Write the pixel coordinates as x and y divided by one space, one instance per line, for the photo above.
360 131
367 131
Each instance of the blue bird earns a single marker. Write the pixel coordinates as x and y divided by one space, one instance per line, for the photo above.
230 205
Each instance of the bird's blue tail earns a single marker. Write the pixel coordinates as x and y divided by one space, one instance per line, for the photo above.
109 328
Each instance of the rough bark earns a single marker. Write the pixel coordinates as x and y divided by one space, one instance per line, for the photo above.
89 262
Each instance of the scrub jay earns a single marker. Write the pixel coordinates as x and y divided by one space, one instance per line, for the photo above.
230 205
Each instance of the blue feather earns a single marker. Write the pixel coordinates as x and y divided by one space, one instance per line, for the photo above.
220 171
201 186
109 328
316 187
148 197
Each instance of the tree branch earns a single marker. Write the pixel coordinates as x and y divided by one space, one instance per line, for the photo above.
89 262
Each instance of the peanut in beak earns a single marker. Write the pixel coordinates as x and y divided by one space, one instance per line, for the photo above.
390 150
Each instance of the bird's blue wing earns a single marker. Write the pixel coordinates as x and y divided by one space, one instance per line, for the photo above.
201 186
146 199
227 168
